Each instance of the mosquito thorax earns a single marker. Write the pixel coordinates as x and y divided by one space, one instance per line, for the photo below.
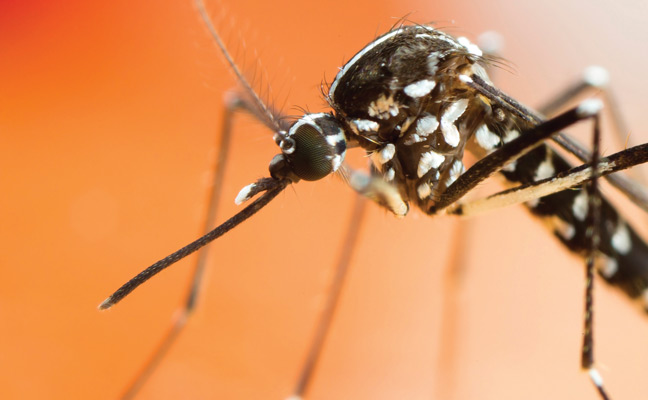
313 147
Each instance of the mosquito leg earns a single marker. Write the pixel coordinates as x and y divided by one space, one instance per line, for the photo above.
594 78
606 240
376 188
333 297
593 243
564 180
509 152
635 192
233 105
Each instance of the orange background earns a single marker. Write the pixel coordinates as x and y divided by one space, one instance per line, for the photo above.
108 114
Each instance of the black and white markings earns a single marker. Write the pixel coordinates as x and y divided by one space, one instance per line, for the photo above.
409 100
393 107
420 88
448 122
313 147
580 206
405 99
545 169
621 241
487 139
364 125
429 160
384 155
456 170
426 125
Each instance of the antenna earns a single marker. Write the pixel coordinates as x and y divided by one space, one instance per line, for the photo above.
264 112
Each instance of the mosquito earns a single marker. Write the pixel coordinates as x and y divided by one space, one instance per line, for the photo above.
415 99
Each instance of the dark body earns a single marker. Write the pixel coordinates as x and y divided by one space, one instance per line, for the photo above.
403 100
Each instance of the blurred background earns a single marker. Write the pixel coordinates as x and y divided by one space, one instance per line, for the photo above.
109 113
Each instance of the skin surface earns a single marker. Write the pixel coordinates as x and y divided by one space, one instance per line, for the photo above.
108 121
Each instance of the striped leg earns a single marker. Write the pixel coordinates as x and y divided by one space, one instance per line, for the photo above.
593 243
594 78
510 152
568 179
582 219
636 193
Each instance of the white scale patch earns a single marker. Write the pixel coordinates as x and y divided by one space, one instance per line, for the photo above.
510 167
607 266
333 140
389 176
452 113
596 76
420 88
413 138
545 170
426 125
510 135
244 194
429 160
486 138
589 107
472 48
580 206
533 203
365 125
433 63
562 228
383 107
385 154
337 161
455 171
621 240
423 190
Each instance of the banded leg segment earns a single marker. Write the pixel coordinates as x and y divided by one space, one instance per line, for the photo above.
637 194
583 220
564 180
595 79
508 153
593 239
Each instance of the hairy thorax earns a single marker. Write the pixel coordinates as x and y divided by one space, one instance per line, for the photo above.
402 100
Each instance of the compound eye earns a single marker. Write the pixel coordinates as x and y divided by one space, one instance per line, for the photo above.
312 156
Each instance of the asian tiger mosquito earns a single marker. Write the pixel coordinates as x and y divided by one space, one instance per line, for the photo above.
414 88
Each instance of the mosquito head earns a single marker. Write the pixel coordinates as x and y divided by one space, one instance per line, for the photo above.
313 147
